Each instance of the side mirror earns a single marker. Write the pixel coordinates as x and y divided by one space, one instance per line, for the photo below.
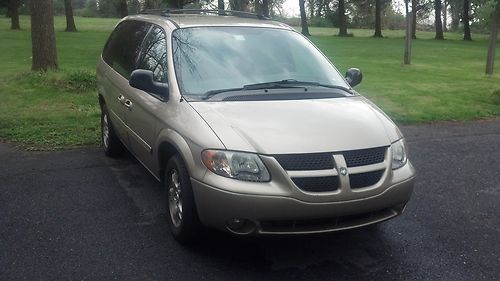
353 76
143 80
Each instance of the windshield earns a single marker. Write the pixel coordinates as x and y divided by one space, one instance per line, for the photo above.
208 59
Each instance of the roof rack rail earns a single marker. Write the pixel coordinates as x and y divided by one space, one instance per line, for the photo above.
168 12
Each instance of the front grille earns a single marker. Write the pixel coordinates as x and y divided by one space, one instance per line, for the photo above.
324 160
362 157
317 184
365 179
304 162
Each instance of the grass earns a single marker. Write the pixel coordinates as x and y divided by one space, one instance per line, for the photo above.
446 80
53 110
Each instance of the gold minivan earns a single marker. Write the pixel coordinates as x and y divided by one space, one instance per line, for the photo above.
249 127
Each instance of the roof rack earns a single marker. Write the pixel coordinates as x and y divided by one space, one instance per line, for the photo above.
168 12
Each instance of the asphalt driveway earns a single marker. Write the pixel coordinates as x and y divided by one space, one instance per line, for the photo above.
79 215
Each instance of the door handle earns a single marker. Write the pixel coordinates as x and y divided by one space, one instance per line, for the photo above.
121 99
128 104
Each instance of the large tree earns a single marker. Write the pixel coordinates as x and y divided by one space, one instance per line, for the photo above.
342 18
437 20
466 20
303 18
70 21
13 13
378 19
43 39
220 4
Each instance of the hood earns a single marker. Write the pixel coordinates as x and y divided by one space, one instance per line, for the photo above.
298 126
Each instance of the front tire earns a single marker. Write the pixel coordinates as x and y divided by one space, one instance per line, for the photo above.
182 215
112 145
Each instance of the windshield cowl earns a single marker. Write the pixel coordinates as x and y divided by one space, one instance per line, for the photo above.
289 93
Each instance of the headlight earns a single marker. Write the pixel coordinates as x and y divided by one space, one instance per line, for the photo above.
398 154
236 165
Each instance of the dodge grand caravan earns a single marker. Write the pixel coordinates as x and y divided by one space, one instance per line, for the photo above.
248 126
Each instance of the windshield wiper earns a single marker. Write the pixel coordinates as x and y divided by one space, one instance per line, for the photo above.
292 83
287 83
212 93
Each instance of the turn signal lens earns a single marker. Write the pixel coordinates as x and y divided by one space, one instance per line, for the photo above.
398 154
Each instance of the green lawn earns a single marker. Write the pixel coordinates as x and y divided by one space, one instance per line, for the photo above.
445 82
43 111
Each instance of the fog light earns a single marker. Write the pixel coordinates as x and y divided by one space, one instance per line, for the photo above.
236 223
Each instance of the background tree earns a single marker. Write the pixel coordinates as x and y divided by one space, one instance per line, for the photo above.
378 19
43 39
220 4
303 18
239 5
456 7
265 8
494 22
466 21
408 37
134 6
342 19
70 21
419 8
13 13
445 15
437 20
122 8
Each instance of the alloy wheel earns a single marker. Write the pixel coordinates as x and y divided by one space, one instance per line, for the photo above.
174 198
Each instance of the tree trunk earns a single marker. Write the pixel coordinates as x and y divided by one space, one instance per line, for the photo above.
220 5
265 8
466 21
490 60
445 16
70 21
342 19
408 37
455 15
378 19
122 8
303 18
257 6
43 39
13 7
437 20
413 25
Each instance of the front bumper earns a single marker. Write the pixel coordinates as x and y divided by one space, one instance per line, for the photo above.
266 214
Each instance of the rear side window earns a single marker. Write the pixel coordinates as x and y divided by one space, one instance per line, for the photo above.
154 54
124 45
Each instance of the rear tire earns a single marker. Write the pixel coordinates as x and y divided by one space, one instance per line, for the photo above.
182 215
112 145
